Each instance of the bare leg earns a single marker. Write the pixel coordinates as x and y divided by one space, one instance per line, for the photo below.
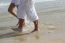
21 23
35 26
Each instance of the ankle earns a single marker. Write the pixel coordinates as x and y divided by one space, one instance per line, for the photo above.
36 29
20 27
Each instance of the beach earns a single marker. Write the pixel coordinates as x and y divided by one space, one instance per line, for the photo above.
51 25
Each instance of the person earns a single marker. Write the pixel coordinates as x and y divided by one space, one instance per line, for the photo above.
24 8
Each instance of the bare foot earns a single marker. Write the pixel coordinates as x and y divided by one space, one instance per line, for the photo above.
17 29
34 30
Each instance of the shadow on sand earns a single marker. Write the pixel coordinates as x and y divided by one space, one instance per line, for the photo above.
11 34
14 34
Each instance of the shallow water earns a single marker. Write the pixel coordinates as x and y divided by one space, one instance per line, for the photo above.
51 26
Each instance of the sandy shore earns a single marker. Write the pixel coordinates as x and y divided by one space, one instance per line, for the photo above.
51 26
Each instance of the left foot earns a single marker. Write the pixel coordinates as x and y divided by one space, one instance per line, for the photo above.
34 30
17 29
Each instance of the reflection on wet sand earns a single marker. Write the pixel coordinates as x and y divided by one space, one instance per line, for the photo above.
28 37
21 36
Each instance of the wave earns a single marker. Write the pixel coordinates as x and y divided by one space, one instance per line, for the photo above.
6 4
43 0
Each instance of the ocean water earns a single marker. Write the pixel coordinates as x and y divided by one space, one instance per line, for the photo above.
43 0
40 4
5 3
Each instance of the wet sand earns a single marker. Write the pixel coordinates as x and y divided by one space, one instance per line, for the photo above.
51 26
51 29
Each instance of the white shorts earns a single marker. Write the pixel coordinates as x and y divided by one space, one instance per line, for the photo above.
29 13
